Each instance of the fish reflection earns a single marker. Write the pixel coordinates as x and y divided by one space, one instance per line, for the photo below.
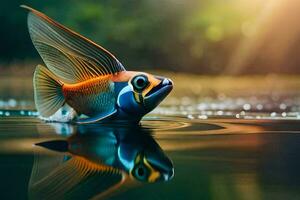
97 162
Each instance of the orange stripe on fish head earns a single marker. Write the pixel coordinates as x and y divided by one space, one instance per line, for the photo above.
129 76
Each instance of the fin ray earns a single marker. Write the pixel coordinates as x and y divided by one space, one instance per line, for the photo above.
72 57
71 178
48 94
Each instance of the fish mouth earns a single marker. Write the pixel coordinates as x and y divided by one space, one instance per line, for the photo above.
165 86
157 94
165 167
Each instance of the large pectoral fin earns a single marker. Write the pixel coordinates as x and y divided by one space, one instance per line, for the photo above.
76 178
96 118
69 55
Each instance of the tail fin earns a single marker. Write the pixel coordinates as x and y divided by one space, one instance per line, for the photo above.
48 94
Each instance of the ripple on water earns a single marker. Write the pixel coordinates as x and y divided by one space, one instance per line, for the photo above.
226 107
178 124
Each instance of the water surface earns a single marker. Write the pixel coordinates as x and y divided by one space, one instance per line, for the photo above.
224 144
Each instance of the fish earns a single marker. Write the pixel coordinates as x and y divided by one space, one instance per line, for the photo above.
88 78
98 161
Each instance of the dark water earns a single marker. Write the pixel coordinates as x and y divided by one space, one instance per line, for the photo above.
216 146
212 159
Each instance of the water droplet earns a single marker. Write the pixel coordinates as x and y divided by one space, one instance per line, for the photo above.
246 106
12 103
220 112
259 107
202 117
190 117
282 106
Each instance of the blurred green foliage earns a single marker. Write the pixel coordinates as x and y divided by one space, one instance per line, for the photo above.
192 35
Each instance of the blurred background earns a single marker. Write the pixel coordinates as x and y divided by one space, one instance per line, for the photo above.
231 123
193 36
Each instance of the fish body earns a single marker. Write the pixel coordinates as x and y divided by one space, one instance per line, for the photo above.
129 149
86 77
97 160
92 96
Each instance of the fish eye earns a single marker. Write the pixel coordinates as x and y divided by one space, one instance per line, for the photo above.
141 172
140 82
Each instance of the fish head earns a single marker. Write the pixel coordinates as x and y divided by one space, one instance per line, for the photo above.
142 157
143 92
152 167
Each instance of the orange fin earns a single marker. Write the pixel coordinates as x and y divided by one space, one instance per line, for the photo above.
76 178
69 55
48 94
